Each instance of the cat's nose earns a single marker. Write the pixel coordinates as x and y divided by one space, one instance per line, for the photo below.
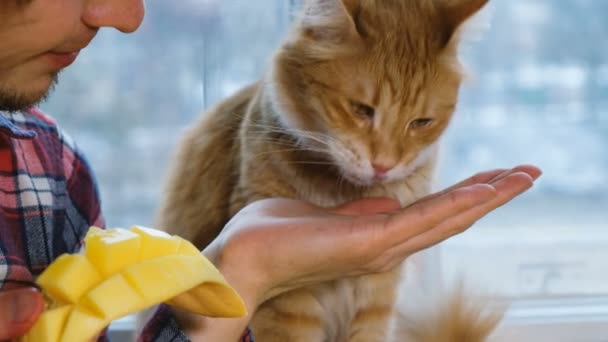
380 170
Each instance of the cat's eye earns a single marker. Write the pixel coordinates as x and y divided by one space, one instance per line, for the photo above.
421 123
362 110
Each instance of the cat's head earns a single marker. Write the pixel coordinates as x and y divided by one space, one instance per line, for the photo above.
371 83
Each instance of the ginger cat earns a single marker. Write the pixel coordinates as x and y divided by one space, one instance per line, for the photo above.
352 106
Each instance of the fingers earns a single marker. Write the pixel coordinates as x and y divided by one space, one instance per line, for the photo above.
506 188
19 310
421 216
480 178
372 206
488 177
531 170
368 206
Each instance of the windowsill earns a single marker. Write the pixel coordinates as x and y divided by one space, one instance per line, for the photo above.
550 320
567 309
556 320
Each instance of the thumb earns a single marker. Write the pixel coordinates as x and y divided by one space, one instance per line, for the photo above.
368 206
19 310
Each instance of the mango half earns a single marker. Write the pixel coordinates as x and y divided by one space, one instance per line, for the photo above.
120 272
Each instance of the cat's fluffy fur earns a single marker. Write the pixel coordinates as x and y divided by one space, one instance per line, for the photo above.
352 106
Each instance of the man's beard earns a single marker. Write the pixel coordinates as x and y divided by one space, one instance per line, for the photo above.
11 100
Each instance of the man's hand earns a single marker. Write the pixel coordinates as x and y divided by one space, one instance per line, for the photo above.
19 310
277 245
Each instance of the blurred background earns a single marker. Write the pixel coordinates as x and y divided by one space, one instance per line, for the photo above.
538 94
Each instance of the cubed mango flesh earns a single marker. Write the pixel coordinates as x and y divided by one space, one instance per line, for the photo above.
112 250
155 243
49 325
68 287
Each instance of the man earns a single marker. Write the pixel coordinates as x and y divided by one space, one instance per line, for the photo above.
48 197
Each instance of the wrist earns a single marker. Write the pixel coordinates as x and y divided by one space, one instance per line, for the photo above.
240 275
244 281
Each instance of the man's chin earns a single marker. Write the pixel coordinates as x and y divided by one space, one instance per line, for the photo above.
14 100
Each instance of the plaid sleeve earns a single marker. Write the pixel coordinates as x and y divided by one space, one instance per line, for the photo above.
162 327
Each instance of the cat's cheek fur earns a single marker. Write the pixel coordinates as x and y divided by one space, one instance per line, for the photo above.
280 105
354 162
402 171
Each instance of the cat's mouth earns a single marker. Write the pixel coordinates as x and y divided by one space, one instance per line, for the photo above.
359 182
366 179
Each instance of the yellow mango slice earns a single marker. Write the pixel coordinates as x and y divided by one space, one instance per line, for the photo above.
155 243
211 299
178 273
67 287
49 325
81 326
187 248
124 271
112 250
114 297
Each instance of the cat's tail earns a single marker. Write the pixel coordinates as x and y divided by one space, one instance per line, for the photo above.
457 316
429 312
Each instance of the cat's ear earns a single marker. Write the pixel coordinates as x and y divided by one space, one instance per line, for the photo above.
456 12
331 22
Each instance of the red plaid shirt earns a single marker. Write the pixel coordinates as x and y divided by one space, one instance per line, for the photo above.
48 200
48 196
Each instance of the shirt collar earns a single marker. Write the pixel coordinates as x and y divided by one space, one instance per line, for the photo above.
10 130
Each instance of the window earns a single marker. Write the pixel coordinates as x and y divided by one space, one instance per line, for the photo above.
538 94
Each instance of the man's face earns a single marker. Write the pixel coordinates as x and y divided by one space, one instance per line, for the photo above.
38 38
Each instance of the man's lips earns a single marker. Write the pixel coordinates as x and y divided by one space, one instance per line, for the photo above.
62 59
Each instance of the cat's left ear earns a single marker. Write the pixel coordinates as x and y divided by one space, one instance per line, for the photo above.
330 21
455 12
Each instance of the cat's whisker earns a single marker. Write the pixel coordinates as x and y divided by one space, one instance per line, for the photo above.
295 149
283 142
341 181
274 141
315 136
310 162
295 145
418 172
271 140
409 187
276 151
